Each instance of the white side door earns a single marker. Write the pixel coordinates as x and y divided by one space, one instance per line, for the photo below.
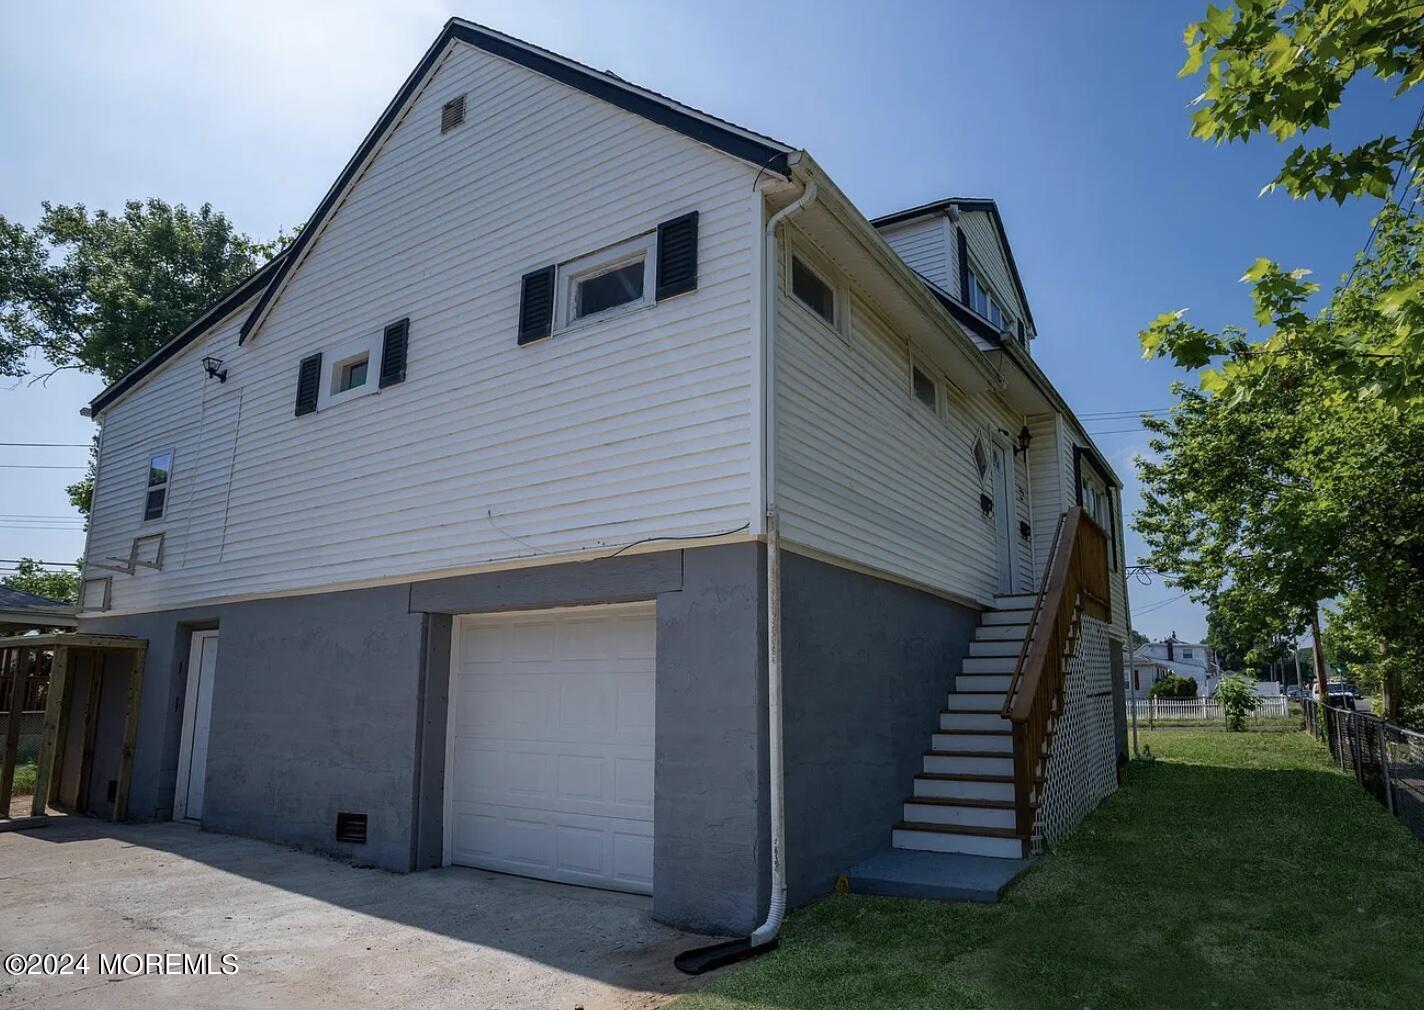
1004 506
550 745
197 721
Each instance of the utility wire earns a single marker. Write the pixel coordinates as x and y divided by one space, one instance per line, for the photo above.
59 564
49 445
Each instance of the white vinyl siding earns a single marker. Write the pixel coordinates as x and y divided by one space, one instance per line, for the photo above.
625 428
866 474
924 244
990 259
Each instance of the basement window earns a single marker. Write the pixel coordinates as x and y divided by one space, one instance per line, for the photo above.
160 469
813 291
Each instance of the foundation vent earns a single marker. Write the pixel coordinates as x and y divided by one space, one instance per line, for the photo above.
351 828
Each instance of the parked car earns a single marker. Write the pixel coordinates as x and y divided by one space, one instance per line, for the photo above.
1296 693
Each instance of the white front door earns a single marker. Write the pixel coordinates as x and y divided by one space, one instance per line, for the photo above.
1003 517
550 745
197 721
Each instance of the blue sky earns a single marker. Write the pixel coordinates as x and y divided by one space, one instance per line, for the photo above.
1069 115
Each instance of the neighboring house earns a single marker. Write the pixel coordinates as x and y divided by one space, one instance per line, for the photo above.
449 529
22 612
1155 660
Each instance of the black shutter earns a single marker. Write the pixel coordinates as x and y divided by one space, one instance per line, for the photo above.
536 305
677 256
963 266
308 384
393 353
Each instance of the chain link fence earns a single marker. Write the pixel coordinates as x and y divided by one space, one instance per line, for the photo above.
1386 760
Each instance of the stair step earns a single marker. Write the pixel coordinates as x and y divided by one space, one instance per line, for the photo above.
975 701
968 787
992 617
989 664
978 741
1016 601
967 813
974 720
985 683
996 647
969 762
1001 633
978 841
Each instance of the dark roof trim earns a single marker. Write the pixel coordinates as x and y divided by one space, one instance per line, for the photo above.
215 313
964 315
968 203
763 152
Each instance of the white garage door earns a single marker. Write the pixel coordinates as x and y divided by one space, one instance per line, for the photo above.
551 745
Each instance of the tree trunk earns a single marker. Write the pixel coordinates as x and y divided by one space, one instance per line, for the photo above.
1392 685
1319 658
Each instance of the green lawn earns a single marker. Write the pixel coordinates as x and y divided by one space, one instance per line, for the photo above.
1235 870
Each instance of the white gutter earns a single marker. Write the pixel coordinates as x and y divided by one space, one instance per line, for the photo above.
768 930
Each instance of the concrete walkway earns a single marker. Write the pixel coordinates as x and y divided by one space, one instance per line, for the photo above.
307 931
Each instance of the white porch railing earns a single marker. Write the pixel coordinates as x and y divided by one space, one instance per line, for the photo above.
1200 709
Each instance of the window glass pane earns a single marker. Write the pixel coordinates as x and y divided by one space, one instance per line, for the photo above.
607 290
924 387
159 468
353 374
153 505
815 293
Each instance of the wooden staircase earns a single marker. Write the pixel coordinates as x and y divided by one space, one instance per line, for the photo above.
983 776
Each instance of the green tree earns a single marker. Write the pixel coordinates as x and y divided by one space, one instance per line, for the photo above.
1173 686
100 292
30 577
1281 67
1238 700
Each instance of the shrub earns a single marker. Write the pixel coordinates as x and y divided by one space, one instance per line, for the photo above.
1174 686
1238 700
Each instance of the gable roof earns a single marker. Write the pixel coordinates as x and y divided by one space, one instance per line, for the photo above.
967 203
215 313
741 143
16 599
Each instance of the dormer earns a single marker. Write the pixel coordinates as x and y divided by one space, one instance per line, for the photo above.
959 246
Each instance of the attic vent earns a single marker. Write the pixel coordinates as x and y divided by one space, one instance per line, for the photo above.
452 114
351 828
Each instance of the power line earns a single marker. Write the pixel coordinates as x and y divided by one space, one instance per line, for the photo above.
58 564
38 466
1159 604
49 445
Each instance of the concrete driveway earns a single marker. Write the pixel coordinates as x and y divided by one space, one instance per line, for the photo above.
306 931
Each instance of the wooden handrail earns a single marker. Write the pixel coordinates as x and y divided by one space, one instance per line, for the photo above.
1075 580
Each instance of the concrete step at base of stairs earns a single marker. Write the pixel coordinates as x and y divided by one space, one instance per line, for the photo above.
979 813
992 741
937 876
964 787
1001 843
968 763
974 720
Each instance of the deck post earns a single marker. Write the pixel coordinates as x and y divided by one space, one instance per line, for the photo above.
121 794
54 713
18 690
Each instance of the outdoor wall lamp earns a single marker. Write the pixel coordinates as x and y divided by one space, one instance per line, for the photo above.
1024 439
214 368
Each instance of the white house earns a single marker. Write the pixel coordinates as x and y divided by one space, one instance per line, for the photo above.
1154 660
582 446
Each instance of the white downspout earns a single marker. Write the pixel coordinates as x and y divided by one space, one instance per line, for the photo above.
768 930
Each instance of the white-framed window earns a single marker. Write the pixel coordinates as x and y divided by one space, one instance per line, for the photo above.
813 290
924 388
160 474
1186 653
610 281
982 301
349 370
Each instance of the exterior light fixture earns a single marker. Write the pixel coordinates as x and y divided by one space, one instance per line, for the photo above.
1024 439
214 368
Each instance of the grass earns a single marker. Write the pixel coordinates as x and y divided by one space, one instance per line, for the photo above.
1234 870
24 779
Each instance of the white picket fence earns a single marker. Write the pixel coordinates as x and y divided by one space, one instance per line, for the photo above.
1201 709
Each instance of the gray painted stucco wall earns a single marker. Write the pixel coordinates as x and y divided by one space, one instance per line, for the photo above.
711 818
867 665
